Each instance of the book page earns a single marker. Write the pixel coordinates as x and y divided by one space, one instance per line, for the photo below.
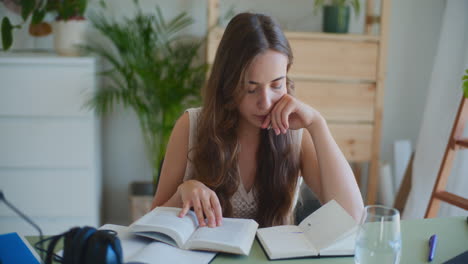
157 252
166 220
342 247
158 236
233 236
143 250
286 241
131 244
327 225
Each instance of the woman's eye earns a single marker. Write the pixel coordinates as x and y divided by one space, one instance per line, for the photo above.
251 91
276 86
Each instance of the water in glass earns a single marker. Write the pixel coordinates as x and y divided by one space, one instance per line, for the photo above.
378 238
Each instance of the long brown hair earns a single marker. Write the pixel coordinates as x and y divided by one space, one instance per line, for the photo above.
215 156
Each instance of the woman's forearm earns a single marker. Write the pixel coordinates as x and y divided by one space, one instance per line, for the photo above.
337 178
174 201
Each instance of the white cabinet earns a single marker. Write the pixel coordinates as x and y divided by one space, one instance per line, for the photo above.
49 142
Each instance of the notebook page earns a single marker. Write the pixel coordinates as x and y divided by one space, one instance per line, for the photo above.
344 246
285 242
327 225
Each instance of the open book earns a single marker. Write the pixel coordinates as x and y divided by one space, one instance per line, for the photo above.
137 249
329 231
163 224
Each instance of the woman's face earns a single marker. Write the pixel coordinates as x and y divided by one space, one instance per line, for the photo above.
264 85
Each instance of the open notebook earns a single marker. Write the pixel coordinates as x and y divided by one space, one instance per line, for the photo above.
329 231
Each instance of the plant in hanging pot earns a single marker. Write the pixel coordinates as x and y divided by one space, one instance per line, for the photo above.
336 14
69 26
153 70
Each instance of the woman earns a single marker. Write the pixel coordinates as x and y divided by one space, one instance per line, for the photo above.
241 154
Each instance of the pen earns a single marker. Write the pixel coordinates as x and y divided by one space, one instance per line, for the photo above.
432 247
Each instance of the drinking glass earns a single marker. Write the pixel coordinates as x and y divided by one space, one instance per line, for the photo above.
378 238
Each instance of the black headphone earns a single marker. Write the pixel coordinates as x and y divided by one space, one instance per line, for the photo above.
80 245
85 245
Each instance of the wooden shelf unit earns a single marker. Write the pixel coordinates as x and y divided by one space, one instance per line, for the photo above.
342 76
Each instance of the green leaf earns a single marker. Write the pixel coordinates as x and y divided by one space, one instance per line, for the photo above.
102 3
465 88
318 4
27 6
152 70
357 7
7 34
38 16
465 77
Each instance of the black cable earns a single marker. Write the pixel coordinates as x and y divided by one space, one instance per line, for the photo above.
27 219
38 246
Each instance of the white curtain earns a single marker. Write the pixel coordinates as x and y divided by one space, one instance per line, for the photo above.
442 103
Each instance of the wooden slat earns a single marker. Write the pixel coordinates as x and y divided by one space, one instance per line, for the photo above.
327 78
353 140
372 183
405 187
331 36
369 13
352 102
213 13
462 143
213 42
452 199
353 58
357 170
335 59
461 120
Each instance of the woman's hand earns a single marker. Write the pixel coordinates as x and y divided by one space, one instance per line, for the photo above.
290 113
204 201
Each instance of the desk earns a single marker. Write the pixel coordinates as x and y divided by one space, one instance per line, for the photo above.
452 240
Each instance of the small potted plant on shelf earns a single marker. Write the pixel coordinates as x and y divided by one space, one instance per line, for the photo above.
69 26
154 71
336 14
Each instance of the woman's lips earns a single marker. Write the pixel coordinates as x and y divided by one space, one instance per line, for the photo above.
261 117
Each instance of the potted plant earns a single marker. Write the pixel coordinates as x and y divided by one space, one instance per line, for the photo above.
33 10
336 14
69 26
155 72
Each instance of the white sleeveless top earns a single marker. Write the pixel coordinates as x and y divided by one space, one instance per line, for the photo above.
244 204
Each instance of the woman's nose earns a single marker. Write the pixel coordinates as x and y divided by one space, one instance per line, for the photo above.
265 99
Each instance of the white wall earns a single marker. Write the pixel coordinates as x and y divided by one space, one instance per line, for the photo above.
414 34
414 31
